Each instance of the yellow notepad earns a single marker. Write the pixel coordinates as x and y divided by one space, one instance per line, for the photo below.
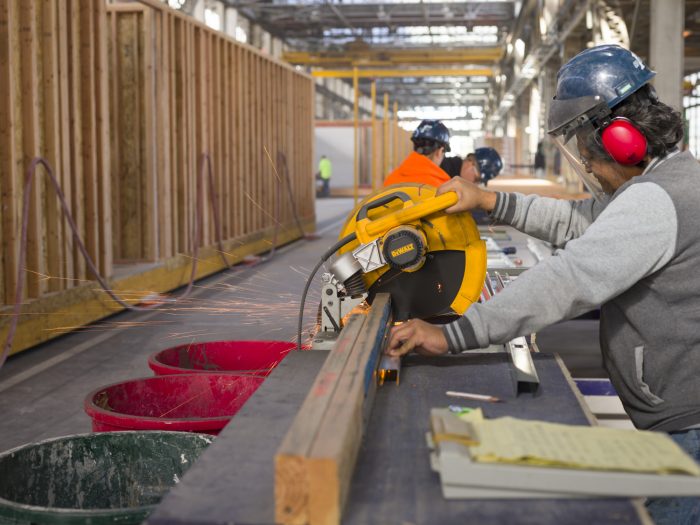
510 440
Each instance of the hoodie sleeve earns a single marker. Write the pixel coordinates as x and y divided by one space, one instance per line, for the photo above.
602 262
553 220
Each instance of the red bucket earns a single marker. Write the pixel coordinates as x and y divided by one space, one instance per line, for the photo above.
185 402
242 357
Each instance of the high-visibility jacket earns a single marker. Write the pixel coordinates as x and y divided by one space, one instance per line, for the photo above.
325 169
417 168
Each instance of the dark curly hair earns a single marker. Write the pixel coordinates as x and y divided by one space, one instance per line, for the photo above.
426 146
659 123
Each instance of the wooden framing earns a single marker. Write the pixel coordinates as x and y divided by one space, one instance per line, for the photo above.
315 462
223 97
54 104
123 100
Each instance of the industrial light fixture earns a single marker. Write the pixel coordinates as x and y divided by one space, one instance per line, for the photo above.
212 18
175 4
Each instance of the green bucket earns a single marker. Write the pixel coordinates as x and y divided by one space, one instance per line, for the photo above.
109 477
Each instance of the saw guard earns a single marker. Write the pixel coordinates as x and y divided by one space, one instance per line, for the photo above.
417 205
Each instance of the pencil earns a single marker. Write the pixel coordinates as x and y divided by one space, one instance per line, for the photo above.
477 397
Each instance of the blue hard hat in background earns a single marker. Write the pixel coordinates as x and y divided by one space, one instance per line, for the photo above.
432 130
489 161
592 83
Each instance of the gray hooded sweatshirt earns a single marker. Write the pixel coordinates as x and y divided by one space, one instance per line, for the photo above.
636 255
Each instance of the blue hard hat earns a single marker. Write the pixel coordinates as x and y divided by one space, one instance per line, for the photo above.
489 161
592 83
432 130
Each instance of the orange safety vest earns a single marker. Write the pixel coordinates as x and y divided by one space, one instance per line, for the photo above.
417 168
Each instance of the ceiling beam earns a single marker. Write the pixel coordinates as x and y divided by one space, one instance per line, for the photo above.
394 73
379 56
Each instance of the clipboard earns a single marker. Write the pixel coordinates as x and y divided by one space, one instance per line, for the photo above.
463 478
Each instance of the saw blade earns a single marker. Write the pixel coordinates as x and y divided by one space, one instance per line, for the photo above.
425 293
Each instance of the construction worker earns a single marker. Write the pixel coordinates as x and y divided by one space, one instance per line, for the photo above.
632 247
481 166
540 161
469 170
325 172
431 140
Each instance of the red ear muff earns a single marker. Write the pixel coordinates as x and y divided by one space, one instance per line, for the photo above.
624 142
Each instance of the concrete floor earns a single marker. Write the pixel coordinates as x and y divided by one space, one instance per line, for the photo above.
42 390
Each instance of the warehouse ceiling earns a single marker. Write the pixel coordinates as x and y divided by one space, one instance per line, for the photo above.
405 35
331 25
392 34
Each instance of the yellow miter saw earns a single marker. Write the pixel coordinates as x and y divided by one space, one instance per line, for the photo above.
400 241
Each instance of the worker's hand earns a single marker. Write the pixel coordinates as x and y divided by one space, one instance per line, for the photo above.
424 338
469 195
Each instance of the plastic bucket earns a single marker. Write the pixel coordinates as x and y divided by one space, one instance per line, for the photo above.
185 402
245 357
116 477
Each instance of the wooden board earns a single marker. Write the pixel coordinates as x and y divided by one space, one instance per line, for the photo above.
332 459
315 463
233 480
291 475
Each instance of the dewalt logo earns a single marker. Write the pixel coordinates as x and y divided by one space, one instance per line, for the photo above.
402 250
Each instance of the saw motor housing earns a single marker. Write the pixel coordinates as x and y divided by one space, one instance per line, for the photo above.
432 263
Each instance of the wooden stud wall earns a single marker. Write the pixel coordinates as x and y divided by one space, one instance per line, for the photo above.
180 90
53 103
122 99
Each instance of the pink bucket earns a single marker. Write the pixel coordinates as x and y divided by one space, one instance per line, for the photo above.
186 402
256 358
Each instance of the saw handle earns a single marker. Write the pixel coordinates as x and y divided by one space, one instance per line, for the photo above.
408 213
362 214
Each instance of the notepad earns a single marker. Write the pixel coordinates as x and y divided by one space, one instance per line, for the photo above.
537 443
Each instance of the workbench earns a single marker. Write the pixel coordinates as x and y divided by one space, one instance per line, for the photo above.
233 481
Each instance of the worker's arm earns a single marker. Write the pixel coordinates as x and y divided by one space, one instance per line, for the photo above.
632 238
553 220
469 196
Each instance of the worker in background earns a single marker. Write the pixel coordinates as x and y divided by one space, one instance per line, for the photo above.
431 140
632 247
469 170
324 174
540 161
481 166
